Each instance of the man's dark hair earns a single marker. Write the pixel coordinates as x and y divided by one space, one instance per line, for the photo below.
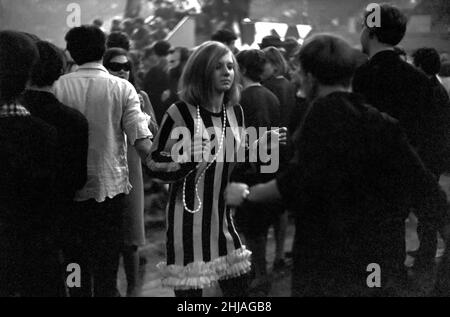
98 22
392 26
252 61
330 59
33 37
160 48
17 56
50 65
118 39
428 60
86 44
224 36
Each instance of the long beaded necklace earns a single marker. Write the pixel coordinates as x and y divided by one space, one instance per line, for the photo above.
222 138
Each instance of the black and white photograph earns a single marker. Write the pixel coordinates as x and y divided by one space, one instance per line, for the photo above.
224 153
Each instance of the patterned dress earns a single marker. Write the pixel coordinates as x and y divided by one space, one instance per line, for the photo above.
202 247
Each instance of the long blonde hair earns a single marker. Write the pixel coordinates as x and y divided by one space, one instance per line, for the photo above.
196 84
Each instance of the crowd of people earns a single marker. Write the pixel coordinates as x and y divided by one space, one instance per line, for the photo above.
361 139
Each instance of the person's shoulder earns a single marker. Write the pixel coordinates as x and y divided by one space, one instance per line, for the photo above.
73 117
40 129
365 65
270 95
178 108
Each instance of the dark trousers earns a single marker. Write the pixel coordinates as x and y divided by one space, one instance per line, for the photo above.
29 264
93 240
235 287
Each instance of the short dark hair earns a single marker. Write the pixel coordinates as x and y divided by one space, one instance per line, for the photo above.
252 61
17 57
98 22
50 65
428 60
275 57
117 51
118 39
159 48
86 44
162 48
393 25
330 59
224 36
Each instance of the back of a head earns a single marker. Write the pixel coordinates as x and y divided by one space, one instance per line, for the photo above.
224 36
118 39
393 23
330 59
161 48
17 56
50 65
251 63
86 44
291 45
98 22
275 57
428 60
271 40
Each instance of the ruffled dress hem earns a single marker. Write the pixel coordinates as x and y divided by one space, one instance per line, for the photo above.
200 275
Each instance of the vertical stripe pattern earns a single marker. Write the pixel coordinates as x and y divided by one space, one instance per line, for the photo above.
210 233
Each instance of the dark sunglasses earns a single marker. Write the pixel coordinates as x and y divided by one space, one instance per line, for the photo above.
117 67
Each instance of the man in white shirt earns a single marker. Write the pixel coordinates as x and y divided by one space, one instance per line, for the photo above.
111 106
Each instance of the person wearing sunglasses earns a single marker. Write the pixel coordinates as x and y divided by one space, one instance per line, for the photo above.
116 61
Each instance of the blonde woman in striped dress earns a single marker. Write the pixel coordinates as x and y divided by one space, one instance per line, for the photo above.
203 246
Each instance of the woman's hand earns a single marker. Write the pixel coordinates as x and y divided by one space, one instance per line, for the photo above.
235 194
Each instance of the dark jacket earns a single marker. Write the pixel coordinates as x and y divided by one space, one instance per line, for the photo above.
27 173
352 180
261 110
397 88
285 93
72 147
155 82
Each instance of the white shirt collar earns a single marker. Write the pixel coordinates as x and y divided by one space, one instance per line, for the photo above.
93 65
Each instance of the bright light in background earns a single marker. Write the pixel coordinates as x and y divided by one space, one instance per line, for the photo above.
303 30
265 28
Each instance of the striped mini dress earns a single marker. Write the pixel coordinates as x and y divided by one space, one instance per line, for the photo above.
202 247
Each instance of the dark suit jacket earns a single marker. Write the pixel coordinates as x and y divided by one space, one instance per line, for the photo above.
155 82
72 147
27 174
285 93
397 88
352 177
261 110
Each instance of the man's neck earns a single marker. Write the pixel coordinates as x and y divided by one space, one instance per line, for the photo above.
326 90
246 82
94 62
377 48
